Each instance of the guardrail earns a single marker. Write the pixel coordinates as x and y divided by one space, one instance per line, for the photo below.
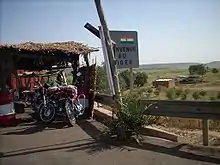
204 110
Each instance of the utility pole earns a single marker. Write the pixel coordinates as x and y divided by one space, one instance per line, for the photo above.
110 52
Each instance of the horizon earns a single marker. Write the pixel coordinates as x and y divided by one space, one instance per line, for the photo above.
172 32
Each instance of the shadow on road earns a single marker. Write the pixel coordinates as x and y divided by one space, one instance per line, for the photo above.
28 151
94 132
99 143
36 127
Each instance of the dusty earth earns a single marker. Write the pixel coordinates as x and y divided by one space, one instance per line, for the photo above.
193 136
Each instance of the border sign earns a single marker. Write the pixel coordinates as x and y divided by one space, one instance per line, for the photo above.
126 49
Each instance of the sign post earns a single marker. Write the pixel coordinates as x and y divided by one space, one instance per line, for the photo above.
126 51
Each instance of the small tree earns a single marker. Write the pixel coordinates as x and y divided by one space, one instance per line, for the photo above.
215 70
140 79
199 69
125 77
101 79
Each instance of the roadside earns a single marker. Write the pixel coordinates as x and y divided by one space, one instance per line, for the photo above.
192 136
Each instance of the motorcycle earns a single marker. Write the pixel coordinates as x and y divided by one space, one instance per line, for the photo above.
61 101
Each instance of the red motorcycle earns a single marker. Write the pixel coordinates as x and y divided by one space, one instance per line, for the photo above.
61 101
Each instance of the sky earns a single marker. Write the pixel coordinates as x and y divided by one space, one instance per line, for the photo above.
169 31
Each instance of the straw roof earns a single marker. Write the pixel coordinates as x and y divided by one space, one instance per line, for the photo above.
68 48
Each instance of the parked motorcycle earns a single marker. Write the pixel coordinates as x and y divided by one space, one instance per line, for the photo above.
60 101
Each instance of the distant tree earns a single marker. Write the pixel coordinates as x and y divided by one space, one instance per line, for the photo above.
215 70
199 69
140 79
101 79
124 78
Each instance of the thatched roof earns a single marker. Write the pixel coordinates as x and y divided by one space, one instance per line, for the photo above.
69 48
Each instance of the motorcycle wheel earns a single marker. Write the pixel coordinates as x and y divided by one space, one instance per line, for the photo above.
47 114
70 113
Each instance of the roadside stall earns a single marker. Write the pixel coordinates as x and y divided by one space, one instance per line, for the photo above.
43 56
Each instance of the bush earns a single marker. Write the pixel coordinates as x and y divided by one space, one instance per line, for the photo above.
150 90
195 95
131 120
140 79
124 78
183 96
202 93
179 92
218 95
170 94
101 79
157 92
199 69
186 91
212 98
215 70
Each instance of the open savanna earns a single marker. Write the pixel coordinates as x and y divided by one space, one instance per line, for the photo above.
211 86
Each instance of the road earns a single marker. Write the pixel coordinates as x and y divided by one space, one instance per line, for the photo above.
58 145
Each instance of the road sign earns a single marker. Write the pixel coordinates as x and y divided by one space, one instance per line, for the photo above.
126 49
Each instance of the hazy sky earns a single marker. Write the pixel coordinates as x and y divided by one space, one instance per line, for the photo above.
169 30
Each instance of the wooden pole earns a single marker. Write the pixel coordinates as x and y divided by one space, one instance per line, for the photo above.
205 132
131 78
110 52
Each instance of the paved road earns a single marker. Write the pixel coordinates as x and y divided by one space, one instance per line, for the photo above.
58 145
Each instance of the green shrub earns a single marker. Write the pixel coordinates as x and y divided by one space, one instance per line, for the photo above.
150 90
215 70
157 92
131 119
196 95
183 96
218 95
186 91
140 79
124 78
202 93
179 92
170 94
212 98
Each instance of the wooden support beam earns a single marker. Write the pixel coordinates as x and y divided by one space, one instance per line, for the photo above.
110 52
205 132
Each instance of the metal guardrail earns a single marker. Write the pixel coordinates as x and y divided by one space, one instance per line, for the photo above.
204 110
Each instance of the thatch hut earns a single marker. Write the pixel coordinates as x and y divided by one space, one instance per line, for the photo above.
43 56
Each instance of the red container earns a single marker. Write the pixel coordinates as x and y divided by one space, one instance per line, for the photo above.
5 97
7 113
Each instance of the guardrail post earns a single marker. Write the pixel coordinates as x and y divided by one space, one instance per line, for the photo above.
205 132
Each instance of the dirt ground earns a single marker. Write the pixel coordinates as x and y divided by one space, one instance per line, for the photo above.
193 136
57 144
